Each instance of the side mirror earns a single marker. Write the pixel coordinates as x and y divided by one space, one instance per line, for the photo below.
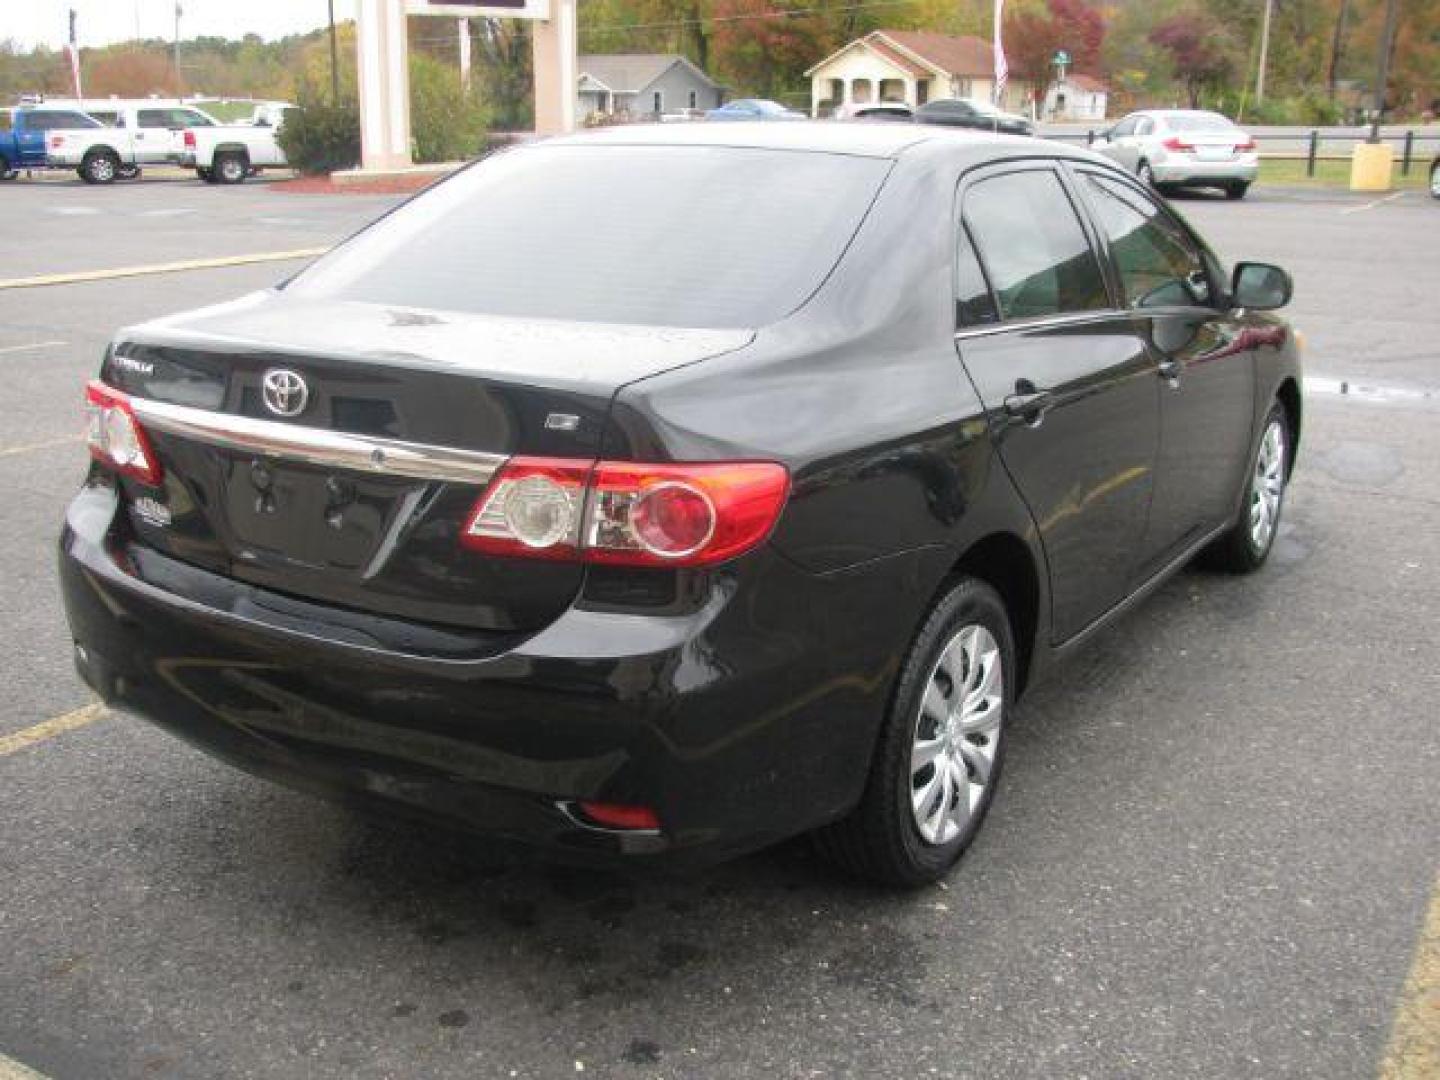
1260 287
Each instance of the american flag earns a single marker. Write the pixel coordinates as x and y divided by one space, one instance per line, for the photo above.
1002 69
72 49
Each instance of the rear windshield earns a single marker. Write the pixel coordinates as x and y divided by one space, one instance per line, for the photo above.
662 236
1198 123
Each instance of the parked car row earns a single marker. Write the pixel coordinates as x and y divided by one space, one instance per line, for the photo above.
115 141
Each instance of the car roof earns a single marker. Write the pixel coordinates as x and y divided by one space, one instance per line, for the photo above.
816 136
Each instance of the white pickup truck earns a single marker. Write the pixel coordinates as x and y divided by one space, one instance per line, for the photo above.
231 152
135 135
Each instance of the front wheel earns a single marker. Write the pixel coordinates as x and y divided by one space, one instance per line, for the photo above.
940 748
1247 545
6 172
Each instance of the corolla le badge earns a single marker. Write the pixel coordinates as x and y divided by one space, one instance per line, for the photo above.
285 392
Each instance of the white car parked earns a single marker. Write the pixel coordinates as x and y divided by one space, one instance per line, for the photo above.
1183 148
231 152
134 135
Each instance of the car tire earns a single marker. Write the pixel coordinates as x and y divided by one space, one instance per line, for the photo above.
208 175
129 172
230 168
1146 175
1435 180
6 172
910 827
100 167
1247 545
1236 190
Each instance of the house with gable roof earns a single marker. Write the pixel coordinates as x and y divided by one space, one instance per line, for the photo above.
642 85
913 66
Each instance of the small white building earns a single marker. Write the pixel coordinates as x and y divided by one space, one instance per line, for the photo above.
1077 97
913 66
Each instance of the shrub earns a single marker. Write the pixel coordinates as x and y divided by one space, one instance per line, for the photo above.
320 137
446 123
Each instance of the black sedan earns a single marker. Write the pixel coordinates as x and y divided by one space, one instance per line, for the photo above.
978 115
573 507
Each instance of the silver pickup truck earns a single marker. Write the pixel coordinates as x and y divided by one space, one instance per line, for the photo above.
231 152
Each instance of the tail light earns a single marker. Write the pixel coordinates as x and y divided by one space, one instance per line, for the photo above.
1247 145
1179 145
115 437
189 139
622 513
621 816
57 141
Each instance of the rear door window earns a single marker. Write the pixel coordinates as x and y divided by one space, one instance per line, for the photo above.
154 118
1157 264
1033 246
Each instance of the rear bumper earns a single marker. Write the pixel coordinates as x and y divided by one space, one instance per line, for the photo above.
1186 170
739 722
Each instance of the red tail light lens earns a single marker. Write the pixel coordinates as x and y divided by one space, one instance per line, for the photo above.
628 514
115 437
1247 145
189 139
1179 145
619 816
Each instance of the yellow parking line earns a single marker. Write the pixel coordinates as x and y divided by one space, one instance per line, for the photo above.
1414 1051
160 268
29 448
48 729
10 1069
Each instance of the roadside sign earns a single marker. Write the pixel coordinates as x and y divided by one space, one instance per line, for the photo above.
472 9
1061 57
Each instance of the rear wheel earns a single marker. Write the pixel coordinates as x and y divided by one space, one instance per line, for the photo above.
230 168
1247 545
100 167
1236 189
940 749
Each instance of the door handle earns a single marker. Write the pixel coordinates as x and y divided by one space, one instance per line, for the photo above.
1028 404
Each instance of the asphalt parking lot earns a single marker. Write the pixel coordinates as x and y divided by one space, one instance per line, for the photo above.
1212 856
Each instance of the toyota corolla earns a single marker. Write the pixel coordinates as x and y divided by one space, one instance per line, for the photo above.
661 493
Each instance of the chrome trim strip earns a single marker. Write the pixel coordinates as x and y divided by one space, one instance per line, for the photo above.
316 446
1044 322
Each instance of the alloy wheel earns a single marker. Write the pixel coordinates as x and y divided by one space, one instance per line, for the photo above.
957 733
1267 486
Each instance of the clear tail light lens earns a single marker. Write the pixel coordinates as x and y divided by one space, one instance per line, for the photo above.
628 514
115 437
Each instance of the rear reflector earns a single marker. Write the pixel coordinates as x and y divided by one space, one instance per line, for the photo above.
115 437
618 816
622 513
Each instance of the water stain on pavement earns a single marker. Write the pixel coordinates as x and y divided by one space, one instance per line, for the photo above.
1366 463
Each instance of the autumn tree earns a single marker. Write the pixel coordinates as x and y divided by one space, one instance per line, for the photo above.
1033 37
1199 49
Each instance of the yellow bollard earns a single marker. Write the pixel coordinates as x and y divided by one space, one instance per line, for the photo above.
1371 167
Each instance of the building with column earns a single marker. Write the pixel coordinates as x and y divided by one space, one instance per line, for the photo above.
913 66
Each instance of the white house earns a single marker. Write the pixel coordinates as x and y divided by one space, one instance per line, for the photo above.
1077 97
913 66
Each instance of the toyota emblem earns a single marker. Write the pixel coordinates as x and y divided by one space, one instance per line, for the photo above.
285 392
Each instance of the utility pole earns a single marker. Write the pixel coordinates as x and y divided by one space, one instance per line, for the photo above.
1382 79
1264 50
334 59
464 25
1337 47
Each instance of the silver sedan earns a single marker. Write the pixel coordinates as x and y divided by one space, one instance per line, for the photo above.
1183 148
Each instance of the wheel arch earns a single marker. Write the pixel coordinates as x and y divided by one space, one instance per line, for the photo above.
232 148
1288 394
1005 562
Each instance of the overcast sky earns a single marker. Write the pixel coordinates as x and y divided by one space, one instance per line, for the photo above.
99 22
